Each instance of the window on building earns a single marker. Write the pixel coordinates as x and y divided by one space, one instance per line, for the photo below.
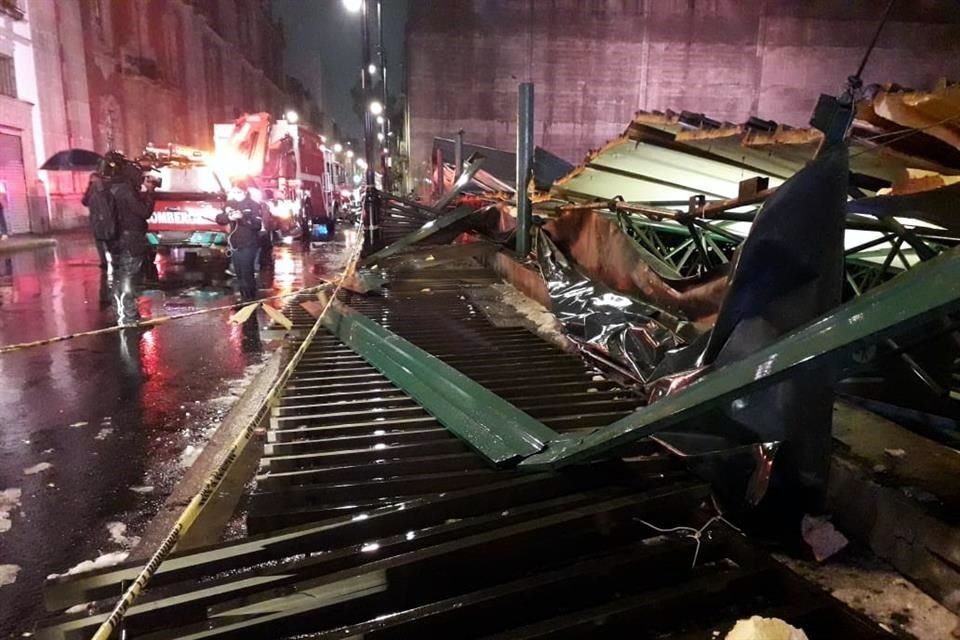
13 8
8 78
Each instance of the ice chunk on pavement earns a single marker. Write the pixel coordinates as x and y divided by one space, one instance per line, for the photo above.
79 608
757 628
189 456
106 560
78 424
37 468
822 536
8 573
142 489
103 433
118 534
9 500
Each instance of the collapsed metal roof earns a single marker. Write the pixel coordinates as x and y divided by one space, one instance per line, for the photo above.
667 157
502 165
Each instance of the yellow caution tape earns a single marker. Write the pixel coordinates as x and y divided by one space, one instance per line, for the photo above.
161 319
212 483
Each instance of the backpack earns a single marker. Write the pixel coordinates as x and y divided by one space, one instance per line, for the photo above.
104 219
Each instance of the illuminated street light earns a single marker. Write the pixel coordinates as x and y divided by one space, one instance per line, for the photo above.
380 120
352 5
349 153
376 108
292 117
390 133
380 137
337 147
361 163
372 69
386 151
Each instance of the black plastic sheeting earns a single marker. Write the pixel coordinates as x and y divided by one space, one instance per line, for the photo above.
787 272
618 329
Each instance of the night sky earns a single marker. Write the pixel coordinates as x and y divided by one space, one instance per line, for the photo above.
324 32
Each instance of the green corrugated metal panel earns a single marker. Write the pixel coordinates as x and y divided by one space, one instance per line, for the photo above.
927 290
488 423
419 235
642 172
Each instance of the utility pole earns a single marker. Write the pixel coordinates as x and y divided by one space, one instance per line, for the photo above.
370 196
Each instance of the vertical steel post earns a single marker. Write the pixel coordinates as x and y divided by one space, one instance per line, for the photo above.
369 135
524 167
382 65
458 155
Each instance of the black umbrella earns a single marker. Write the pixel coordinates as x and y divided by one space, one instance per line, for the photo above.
72 160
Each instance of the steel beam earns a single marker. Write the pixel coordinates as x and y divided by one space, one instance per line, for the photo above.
835 342
524 167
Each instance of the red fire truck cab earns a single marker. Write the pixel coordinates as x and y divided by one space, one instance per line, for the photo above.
291 166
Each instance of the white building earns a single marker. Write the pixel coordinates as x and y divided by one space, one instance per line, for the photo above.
20 147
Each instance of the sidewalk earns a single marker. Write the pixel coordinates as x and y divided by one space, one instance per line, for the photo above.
23 241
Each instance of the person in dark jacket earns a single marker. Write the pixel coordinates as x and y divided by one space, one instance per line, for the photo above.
242 215
97 183
265 257
128 249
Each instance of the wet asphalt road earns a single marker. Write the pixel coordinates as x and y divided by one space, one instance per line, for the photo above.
96 431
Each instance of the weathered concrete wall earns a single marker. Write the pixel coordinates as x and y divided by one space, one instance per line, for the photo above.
595 62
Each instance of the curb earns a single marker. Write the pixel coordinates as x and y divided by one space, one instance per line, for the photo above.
213 520
12 245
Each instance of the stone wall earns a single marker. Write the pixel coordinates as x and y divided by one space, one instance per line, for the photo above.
125 73
596 62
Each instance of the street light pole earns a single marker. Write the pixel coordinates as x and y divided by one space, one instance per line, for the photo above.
369 201
382 62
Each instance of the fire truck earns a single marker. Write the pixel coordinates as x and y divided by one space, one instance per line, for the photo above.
287 166
190 195
296 173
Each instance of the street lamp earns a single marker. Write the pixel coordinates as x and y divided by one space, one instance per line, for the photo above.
380 136
376 107
292 116
353 5
350 153
372 69
337 147
380 119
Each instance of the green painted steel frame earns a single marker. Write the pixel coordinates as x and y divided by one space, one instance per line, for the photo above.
506 435
832 342
419 235
488 423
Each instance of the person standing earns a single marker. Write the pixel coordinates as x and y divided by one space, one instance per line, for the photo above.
119 213
4 230
265 256
242 216
95 187
134 207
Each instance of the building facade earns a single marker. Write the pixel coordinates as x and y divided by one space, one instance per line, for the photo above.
121 74
21 192
595 62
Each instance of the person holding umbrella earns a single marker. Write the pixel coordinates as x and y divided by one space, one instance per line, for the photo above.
119 209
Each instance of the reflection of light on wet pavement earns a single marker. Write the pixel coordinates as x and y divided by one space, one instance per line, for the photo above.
286 271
